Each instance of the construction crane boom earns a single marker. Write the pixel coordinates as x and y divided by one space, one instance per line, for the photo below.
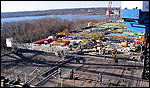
108 11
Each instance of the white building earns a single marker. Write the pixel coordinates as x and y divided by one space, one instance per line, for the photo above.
116 12
113 12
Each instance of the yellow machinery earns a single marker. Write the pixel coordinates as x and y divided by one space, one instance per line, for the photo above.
109 24
100 35
114 51
124 44
65 32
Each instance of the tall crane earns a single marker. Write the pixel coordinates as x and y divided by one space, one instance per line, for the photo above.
108 11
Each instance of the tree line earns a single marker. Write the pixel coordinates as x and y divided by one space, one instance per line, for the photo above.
75 11
28 31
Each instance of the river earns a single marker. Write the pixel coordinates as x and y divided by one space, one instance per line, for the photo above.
68 17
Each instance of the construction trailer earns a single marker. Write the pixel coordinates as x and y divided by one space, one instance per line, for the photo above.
138 20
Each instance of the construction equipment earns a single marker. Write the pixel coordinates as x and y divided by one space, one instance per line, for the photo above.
101 35
114 24
108 11
135 19
124 44
114 51
138 20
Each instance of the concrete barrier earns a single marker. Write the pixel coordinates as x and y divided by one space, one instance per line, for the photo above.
31 46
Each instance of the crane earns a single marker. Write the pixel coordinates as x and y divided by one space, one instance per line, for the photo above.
108 11
138 20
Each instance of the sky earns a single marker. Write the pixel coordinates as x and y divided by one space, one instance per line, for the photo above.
15 6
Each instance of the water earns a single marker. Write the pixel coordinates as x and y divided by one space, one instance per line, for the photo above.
68 17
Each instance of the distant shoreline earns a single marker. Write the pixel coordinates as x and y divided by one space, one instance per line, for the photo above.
46 15
76 11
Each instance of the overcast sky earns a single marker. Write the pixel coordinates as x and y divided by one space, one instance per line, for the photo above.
14 6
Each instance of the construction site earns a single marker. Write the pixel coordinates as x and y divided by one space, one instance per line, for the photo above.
108 54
